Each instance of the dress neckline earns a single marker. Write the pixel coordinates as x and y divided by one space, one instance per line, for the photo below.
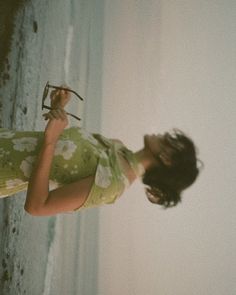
133 162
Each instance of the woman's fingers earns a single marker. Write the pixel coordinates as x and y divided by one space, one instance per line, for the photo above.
65 86
56 114
61 113
49 116
54 93
45 116
59 97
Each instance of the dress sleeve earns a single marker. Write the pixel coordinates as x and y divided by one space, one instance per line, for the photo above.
107 184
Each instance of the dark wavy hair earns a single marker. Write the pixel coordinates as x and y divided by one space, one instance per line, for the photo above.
164 184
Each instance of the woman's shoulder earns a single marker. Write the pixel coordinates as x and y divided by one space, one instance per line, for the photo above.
117 141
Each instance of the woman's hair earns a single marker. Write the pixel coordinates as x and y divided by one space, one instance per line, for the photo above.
166 182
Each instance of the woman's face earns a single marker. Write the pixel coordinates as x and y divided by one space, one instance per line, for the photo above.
157 145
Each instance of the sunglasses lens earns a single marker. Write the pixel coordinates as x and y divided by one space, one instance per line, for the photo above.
45 93
173 139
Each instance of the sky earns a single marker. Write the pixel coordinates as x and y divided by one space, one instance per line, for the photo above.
171 64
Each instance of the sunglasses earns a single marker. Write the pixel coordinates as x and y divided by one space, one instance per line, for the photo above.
45 94
172 138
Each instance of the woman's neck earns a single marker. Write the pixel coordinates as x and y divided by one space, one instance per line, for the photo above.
145 158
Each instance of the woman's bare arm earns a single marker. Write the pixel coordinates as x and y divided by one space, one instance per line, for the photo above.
67 197
38 187
39 201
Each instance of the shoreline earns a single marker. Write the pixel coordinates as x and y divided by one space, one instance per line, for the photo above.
36 52
8 13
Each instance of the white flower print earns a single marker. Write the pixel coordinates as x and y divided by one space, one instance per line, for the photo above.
27 165
53 184
103 155
88 137
73 172
103 176
2 152
13 183
7 134
65 148
25 143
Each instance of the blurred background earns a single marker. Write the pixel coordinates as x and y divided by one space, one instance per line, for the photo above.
172 64
143 67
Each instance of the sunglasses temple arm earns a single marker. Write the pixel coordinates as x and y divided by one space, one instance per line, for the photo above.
75 94
46 107
73 116
49 108
66 89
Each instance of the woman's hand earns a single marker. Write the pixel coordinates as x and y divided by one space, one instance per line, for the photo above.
57 122
59 98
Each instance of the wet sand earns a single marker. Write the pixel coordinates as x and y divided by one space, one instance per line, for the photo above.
59 41
7 15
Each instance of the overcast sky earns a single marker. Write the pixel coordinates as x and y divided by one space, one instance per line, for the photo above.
171 64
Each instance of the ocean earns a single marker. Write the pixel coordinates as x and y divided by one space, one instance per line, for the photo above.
60 42
143 67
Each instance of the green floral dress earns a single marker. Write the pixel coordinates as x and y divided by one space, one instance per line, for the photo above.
78 154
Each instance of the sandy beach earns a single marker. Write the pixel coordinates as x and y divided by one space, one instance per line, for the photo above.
57 41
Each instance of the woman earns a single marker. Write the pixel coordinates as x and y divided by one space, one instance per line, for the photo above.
65 170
